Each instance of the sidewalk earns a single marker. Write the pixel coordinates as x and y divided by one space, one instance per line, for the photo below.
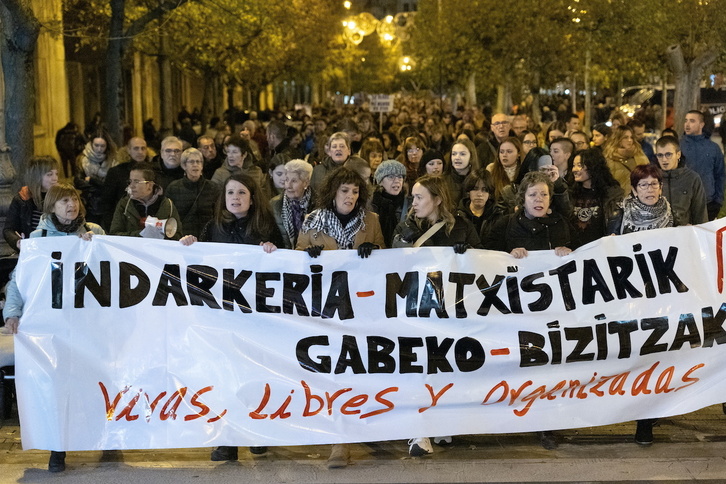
686 448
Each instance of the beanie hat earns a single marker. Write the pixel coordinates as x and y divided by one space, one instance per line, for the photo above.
431 155
389 167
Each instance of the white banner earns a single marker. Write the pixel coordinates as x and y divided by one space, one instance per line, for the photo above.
136 343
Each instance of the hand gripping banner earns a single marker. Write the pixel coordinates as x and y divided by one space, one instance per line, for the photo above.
135 343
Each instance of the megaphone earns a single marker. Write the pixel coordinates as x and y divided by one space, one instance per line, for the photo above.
157 229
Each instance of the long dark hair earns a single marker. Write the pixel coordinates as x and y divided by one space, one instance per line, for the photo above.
261 220
331 183
602 179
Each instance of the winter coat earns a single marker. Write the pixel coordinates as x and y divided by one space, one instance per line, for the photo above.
684 190
225 171
235 232
371 233
46 228
321 171
19 219
463 232
391 211
194 201
517 230
621 169
127 218
705 158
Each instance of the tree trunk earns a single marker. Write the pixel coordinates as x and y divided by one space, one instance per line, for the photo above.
165 88
20 30
7 172
114 77
588 89
209 80
687 79
471 90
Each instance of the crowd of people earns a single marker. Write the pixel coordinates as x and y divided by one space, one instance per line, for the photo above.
429 178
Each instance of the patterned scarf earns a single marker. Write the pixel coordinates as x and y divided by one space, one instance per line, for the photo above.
293 213
638 216
69 228
324 220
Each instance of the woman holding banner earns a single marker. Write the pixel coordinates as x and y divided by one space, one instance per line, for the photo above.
242 216
534 226
341 221
432 221
644 209
63 214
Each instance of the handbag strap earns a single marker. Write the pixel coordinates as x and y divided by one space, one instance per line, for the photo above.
428 234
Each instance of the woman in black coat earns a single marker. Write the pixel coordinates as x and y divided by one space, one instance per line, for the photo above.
534 226
242 216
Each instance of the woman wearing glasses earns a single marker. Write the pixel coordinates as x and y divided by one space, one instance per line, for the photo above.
144 199
682 187
644 209
413 150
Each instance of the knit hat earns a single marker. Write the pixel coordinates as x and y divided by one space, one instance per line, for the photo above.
431 155
389 167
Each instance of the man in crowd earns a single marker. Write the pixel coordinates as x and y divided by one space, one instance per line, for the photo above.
705 158
114 186
212 158
487 150
561 151
639 135
167 165
573 123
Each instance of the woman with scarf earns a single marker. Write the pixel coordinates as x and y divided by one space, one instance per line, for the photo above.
644 209
390 200
97 158
63 215
294 203
145 199
341 221
26 208
242 216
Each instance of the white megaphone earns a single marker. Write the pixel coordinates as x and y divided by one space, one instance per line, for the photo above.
157 229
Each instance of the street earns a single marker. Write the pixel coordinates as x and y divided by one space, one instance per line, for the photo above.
686 448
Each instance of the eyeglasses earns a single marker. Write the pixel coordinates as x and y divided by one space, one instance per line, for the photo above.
500 123
137 182
395 177
530 142
644 186
666 156
172 152
194 162
413 151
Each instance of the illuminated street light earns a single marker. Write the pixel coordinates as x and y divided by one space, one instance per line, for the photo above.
347 5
